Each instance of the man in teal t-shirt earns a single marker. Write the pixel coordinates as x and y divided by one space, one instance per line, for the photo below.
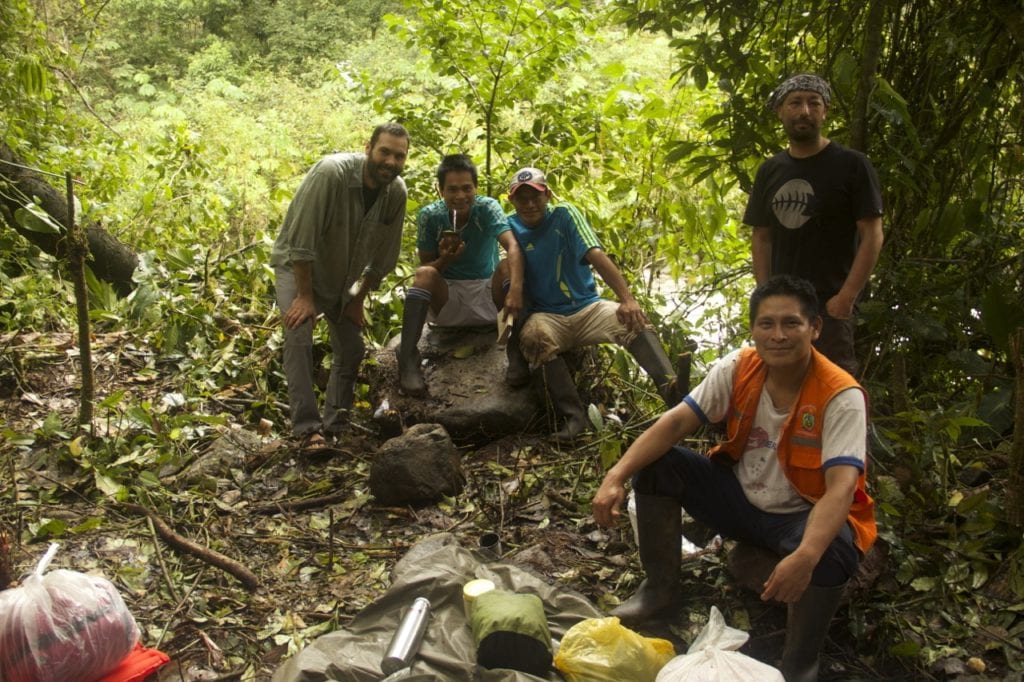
461 281
565 311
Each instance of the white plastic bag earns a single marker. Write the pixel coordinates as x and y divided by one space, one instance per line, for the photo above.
63 626
713 657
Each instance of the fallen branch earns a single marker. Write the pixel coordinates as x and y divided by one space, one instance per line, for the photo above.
561 501
301 505
183 544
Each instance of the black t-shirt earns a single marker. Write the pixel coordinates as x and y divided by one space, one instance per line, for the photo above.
812 206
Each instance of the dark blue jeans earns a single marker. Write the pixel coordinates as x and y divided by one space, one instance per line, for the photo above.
836 341
710 493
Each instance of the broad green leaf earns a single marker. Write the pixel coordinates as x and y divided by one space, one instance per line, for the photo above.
923 584
611 450
980 525
51 528
112 400
500 469
463 352
15 438
52 425
1002 312
979 575
30 74
971 503
108 486
35 219
89 524
614 70
905 649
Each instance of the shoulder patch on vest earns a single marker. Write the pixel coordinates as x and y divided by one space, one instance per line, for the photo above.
807 418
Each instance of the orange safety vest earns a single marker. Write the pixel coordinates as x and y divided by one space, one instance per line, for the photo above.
799 448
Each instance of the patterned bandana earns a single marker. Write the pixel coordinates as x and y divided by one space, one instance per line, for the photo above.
801 81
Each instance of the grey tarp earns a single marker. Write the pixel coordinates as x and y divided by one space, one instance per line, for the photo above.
435 568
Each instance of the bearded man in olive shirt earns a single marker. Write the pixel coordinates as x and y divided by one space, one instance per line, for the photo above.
341 236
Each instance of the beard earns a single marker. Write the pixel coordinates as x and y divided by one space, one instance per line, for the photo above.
802 130
382 173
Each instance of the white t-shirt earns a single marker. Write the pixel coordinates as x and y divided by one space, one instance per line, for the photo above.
763 480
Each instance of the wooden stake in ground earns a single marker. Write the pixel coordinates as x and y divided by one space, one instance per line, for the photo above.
78 252
1015 491
6 576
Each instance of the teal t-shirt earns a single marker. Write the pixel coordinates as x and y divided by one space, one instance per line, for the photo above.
558 279
486 222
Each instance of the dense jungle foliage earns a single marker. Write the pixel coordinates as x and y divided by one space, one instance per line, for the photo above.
187 125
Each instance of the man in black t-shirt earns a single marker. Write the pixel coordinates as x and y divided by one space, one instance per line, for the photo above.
816 213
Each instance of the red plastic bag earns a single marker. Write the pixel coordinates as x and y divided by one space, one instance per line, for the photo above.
63 626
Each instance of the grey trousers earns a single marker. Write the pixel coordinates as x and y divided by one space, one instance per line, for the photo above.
347 348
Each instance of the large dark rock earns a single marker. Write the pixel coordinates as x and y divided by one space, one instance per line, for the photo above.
418 467
465 374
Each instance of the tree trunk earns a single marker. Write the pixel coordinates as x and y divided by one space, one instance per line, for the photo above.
872 52
110 259
1012 16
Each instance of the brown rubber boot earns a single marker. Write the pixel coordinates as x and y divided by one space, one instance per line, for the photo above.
660 531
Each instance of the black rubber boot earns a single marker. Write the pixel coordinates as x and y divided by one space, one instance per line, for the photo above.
553 381
410 376
807 623
518 372
660 532
647 350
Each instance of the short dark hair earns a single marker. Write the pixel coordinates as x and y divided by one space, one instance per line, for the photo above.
455 162
390 128
786 285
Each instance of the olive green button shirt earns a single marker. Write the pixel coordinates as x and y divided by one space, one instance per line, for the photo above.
326 223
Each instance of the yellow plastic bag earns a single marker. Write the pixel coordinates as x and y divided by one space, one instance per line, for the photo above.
603 650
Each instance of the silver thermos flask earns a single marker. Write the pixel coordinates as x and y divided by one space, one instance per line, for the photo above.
408 637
